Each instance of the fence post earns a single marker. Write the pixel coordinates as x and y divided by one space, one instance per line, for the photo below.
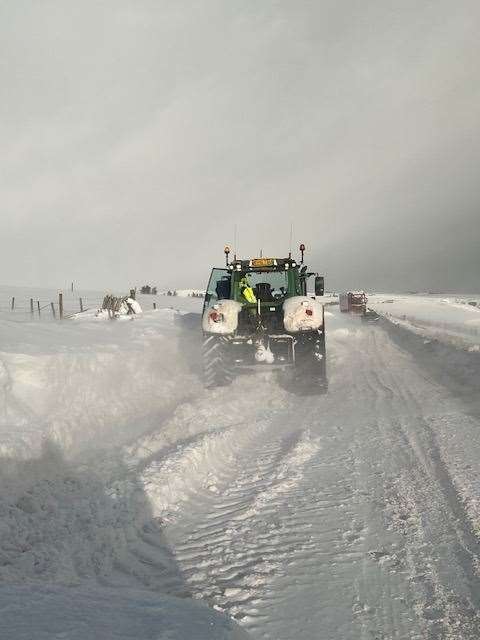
38 307
81 305
154 305
60 305
13 303
53 309
31 306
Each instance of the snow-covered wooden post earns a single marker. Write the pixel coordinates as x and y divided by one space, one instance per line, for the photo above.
13 304
81 305
60 305
38 307
31 306
53 308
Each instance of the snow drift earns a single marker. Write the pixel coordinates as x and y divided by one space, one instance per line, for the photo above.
81 553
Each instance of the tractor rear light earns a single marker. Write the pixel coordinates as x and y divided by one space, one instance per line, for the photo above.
215 316
309 312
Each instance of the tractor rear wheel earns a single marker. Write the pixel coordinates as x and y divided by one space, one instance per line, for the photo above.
216 361
310 362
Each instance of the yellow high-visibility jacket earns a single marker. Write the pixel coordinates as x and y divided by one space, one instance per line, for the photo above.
247 291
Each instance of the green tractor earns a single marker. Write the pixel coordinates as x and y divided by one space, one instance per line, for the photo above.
257 313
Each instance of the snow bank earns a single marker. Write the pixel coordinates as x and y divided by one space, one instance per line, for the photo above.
76 382
81 552
451 320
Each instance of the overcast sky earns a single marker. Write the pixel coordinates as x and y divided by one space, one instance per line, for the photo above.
135 134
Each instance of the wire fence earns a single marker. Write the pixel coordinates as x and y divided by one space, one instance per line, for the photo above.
54 308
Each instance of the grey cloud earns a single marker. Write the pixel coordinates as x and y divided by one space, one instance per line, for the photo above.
137 132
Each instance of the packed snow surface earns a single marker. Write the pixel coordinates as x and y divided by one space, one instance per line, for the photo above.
135 504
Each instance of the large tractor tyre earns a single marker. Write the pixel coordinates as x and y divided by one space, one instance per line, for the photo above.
217 365
311 362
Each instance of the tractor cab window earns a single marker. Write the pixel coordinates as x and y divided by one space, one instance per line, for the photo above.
218 287
268 286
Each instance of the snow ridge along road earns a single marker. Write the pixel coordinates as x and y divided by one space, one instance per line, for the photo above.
353 514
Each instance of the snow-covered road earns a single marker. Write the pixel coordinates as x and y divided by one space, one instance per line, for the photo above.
353 514
331 516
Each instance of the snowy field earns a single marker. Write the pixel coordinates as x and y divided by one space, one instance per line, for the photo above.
135 504
451 319
91 300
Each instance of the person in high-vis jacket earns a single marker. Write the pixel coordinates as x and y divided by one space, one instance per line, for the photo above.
247 291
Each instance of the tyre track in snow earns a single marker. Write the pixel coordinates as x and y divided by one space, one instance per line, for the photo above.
450 550
430 462
233 538
266 521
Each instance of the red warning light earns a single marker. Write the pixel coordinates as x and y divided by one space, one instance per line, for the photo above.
302 247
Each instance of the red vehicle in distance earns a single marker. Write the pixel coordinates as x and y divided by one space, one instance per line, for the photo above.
353 302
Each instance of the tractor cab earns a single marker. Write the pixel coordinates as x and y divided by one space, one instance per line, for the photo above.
260 282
